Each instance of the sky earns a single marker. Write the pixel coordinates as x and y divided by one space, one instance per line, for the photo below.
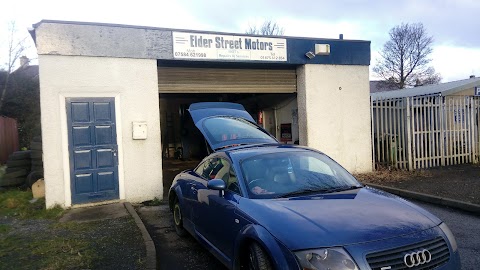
454 24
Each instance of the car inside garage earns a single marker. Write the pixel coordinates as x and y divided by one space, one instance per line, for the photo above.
268 93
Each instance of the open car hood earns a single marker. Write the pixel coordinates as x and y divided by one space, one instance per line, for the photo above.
225 124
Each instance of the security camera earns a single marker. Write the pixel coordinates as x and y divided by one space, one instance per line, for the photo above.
310 55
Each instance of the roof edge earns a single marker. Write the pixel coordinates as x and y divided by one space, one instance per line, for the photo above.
410 92
36 25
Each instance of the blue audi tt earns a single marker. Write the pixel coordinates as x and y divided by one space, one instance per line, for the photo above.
257 204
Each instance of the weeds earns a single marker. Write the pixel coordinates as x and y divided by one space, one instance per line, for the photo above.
33 238
47 252
5 228
155 202
17 203
386 175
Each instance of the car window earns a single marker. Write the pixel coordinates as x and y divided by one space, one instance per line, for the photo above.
314 165
211 168
233 184
228 128
215 169
201 166
219 168
276 174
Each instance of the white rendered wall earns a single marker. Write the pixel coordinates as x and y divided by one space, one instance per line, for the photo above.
334 113
133 84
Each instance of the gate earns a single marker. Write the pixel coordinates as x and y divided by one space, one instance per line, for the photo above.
8 138
424 132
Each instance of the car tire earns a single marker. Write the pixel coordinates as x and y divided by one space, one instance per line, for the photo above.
178 219
258 258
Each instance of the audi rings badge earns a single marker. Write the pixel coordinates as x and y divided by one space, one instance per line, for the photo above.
417 258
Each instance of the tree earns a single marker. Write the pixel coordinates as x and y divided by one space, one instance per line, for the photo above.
19 87
268 28
22 102
16 45
405 58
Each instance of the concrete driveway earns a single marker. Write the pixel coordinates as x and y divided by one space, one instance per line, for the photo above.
465 227
174 252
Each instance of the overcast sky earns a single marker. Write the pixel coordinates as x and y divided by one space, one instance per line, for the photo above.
454 24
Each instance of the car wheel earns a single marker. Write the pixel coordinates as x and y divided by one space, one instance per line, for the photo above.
258 258
178 219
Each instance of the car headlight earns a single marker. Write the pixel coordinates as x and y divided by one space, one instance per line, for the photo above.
325 258
449 235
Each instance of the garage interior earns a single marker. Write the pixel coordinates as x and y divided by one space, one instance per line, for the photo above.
267 92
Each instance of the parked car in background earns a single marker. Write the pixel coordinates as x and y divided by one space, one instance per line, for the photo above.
257 204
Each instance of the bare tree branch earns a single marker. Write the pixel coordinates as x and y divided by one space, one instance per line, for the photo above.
16 47
268 28
405 57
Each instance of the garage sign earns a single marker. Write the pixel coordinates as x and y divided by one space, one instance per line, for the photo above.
227 47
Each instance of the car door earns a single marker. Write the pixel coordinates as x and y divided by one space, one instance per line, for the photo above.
199 191
190 187
215 218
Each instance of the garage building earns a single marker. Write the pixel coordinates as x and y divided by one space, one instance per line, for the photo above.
114 101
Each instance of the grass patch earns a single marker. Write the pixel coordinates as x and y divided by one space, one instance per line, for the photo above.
16 203
73 226
51 245
4 228
385 175
40 252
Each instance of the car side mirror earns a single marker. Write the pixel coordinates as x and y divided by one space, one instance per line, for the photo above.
216 184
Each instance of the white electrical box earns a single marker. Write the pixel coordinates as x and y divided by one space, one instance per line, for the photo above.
139 130
322 49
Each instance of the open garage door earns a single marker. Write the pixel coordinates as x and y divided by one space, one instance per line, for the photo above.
268 93
226 80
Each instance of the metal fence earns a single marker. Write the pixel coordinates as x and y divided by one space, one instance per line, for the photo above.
8 137
423 132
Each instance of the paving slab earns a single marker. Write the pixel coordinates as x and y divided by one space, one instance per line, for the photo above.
94 213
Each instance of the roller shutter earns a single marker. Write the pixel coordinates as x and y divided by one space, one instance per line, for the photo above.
221 80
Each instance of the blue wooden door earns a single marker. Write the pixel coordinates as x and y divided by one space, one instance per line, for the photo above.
92 142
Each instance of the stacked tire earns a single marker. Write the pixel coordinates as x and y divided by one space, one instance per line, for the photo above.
24 168
18 168
36 170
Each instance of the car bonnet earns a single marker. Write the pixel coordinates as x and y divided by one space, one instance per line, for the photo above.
338 219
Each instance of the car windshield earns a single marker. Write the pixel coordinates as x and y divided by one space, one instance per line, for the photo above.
221 129
294 173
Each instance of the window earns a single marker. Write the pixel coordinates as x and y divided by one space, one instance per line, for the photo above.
315 165
201 167
213 168
230 129
271 175
232 182
219 168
